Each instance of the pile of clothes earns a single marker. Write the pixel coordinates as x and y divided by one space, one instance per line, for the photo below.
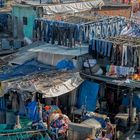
90 65
51 119
58 122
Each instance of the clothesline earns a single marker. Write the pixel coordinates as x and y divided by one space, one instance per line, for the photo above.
88 20
107 40
83 18
120 40
23 132
123 39
132 21
104 19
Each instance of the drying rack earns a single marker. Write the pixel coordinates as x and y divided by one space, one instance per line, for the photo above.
134 41
83 19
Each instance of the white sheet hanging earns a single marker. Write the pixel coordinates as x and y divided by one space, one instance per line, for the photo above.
72 7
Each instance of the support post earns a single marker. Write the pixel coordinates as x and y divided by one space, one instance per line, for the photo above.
131 106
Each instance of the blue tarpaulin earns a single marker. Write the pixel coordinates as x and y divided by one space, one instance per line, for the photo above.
136 101
87 95
27 68
65 64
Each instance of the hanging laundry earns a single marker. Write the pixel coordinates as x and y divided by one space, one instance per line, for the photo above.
74 34
118 70
32 111
102 47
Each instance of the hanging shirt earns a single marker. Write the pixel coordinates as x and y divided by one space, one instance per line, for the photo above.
126 31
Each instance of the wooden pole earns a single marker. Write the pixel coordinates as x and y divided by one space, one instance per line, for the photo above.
131 106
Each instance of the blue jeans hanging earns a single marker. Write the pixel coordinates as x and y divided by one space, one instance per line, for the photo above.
110 45
98 45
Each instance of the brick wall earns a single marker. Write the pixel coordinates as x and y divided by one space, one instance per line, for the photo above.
126 12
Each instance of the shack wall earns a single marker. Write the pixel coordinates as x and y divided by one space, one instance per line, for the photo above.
23 21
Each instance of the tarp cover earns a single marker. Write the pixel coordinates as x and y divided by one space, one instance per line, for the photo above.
72 7
49 86
29 67
65 64
88 95
60 89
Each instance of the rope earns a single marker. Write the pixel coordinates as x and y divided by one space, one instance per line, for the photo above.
6 133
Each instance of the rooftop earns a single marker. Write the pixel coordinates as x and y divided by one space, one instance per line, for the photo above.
56 49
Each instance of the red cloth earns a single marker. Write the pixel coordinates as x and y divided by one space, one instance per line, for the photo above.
47 108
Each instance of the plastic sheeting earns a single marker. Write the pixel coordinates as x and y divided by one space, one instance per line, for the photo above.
60 89
49 86
88 95
93 123
29 67
72 7
65 64
23 58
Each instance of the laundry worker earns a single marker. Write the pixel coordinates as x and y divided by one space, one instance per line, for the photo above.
109 129
103 136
